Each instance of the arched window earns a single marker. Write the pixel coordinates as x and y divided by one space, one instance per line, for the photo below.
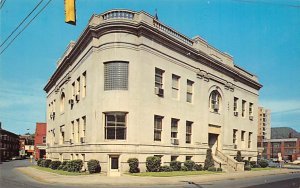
62 102
215 101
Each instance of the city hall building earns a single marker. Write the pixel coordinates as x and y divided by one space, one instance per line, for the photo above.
131 86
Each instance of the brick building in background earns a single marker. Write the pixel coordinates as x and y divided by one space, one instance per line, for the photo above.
40 140
26 145
9 144
289 148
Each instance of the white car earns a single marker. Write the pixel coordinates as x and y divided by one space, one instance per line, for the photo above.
297 162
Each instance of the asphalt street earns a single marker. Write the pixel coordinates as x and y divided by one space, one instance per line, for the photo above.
11 178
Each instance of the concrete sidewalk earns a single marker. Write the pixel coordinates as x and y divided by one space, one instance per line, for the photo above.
47 177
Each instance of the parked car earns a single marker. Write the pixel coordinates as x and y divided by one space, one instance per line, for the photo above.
273 164
296 162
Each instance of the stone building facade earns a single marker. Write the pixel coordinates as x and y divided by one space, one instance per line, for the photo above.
133 87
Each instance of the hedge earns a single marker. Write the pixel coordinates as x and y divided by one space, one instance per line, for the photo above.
165 168
189 164
74 165
175 165
133 165
263 163
93 166
153 164
54 164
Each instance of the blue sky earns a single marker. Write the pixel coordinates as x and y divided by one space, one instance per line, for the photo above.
262 36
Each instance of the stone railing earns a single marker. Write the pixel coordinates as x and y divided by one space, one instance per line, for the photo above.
172 32
237 166
118 14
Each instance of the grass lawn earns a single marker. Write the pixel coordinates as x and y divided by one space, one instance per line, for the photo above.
174 173
261 169
60 172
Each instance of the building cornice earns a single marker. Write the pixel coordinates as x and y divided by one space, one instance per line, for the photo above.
174 41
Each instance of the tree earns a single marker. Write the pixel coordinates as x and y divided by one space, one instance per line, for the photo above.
209 161
239 156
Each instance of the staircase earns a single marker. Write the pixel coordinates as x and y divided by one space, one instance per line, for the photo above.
228 163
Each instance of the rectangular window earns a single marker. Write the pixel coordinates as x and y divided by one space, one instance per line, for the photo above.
174 158
174 128
189 91
84 84
115 126
72 131
175 86
44 139
235 104
78 130
188 158
157 127
83 126
62 134
116 75
250 109
243 136
243 108
234 136
159 78
73 90
249 139
188 134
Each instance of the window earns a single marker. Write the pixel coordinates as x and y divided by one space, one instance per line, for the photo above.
175 86
72 131
115 126
62 102
174 128
250 109
188 158
78 131
249 140
62 134
174 158
73 90
188 134
44 139
243 108
116 75
189 91
234 136
78 86
215 100
157 127
235 104
243 136
159 78
84 84
83 126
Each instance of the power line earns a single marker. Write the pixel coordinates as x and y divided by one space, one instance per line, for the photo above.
3 1
25 27
21 23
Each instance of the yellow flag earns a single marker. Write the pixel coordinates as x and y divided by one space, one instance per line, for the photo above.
70 12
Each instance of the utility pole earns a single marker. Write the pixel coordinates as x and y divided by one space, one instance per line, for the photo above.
70 12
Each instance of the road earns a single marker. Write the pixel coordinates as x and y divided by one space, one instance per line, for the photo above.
11 178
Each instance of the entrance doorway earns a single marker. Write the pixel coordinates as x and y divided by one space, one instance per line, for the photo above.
213 142
114 165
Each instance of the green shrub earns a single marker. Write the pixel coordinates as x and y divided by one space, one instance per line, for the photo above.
239 156
219 169
212 168
209 161
64 163
198 167
165 168
184 168
263 163
93 166
247 163
133 165
252 164
175 165
39 162
189 164
54 165
247 168
65 168
45 163
153 164
74 165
